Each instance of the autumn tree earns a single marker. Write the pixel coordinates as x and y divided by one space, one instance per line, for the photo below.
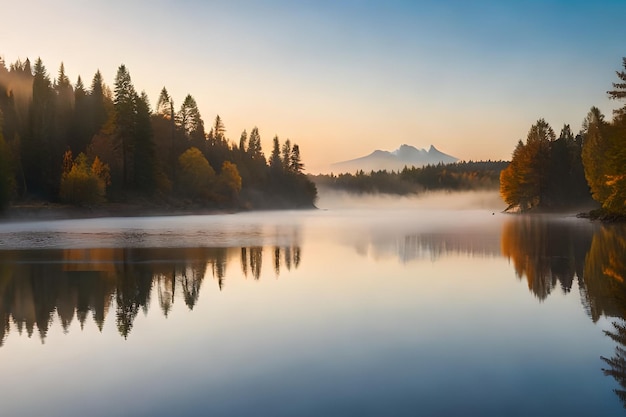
229 182
196 177
84 183
544 172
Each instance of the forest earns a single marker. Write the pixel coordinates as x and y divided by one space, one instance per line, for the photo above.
457 176
548 172
86 145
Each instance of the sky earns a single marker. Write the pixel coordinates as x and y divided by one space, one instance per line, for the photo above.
342 78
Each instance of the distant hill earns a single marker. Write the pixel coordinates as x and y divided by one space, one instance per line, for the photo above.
405 155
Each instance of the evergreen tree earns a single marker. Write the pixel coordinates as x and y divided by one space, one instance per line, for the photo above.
254 146
81 131
64 111
296 161
619 91
144 154
38 157
125 109
243 140
189 119
165 105
594 154
276 163
6 177
286 155
97 114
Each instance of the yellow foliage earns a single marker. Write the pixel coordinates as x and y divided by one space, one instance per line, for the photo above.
84 185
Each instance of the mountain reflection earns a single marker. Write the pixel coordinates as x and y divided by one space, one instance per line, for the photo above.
76 283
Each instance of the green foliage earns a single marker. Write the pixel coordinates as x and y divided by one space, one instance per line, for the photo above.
85 183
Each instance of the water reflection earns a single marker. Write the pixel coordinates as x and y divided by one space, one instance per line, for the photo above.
548 252
75 283
605 273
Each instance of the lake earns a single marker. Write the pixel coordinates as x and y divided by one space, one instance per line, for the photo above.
399 308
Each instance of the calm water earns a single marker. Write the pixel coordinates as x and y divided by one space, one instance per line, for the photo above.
404 311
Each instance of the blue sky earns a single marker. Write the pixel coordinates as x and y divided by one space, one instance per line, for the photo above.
342 78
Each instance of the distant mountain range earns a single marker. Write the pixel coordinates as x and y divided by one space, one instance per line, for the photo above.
405 155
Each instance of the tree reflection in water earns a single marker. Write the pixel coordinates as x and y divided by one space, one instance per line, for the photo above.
79 282
547 252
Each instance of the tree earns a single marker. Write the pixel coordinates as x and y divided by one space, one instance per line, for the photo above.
39 160
526 182
254 146
84 183
594 154
286 155
619 91
276 163
144 154
97 113
229 181
7 183
189 119
296 161
243 139
196 177
165 105
125 108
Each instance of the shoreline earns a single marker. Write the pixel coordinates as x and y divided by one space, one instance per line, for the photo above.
43 211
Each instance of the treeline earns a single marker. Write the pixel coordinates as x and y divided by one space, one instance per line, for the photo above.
549 172
456 176
83 145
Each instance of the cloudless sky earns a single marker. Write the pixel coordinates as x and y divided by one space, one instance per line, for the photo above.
343 78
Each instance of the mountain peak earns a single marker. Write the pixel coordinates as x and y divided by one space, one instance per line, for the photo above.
405 155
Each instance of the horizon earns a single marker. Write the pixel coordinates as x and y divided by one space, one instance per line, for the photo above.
351 76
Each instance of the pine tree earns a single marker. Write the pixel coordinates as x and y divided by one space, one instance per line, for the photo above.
189 119
276 163
254 146
125 109
144 154
619 91
595 152
40 166
286 155
243 140
296 161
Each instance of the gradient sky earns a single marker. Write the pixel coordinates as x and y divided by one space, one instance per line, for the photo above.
342 78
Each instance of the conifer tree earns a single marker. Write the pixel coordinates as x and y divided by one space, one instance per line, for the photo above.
296 161
125 108
144 154
276 163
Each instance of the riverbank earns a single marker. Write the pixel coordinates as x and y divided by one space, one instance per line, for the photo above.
54 211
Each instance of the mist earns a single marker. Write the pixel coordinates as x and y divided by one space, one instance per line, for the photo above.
432 200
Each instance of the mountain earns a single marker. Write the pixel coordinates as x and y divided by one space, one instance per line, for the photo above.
405 155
